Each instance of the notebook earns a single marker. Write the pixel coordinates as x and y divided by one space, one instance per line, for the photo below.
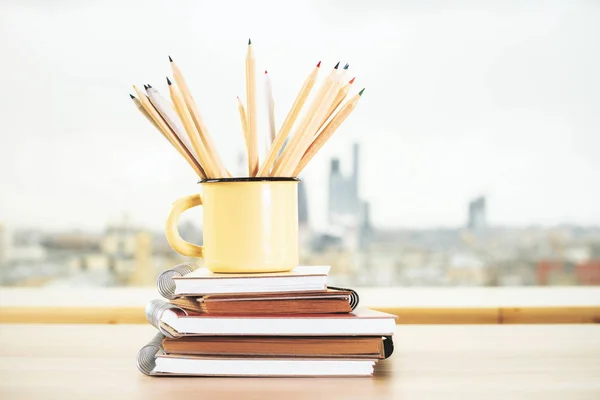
173 321
152 360
322 302
189 279
371 347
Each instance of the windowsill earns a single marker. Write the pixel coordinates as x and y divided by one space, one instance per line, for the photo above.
412 305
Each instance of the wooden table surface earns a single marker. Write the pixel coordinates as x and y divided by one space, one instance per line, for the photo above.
430 361
474 305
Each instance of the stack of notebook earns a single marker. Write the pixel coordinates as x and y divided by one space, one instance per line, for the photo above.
274 324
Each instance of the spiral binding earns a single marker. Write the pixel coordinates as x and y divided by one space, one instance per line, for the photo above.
165 283
354 299
146 357
154 312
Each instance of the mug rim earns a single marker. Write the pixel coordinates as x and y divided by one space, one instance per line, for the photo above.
252 179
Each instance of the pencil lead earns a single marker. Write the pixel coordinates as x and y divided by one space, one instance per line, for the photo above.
132 96
361 92
352 80
168 81
336 65
346 66
249 42
145 87
319 64
266 73
149 86
170 59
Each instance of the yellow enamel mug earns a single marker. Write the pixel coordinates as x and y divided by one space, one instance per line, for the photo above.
250 224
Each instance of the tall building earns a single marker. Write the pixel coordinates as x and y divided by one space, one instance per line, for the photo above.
344 203
365 230
346 210
477 214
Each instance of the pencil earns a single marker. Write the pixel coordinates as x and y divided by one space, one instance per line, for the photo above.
327 132
308 134
341 96
190 128
251 105
297 140
166 111
199 124
288 123
270 108
149 112
244 122
141 108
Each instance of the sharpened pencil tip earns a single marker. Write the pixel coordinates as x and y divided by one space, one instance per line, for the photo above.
170 59
319 64
132 96
336 65
249 42
346 66
149 86
352 80
146 87
361 92
266 72
168 81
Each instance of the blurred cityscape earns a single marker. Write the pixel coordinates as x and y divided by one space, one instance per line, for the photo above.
360 254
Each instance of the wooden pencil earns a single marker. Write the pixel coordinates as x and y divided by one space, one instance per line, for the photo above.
327 132
141 109
309 133
270 110
150 112
188 123
167 112
244 122
321 102
288 123
251 108
340 97
201 128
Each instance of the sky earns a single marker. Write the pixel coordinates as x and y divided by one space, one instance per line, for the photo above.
462 99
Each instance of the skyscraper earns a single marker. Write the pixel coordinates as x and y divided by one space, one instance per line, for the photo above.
365 229
343 199
477 214
346 210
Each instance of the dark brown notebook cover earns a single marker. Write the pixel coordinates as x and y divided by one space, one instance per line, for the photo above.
325 302
371 347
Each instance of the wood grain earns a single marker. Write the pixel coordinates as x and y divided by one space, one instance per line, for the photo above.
429 362
550 315
407 316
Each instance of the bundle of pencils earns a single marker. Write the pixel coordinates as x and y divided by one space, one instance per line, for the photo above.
290 148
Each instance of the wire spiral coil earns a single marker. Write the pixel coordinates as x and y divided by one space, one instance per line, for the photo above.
146 357
154 312
165 283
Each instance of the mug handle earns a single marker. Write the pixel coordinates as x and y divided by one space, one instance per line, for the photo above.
176 242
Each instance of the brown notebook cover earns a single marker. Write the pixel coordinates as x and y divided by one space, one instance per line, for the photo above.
325 302
261 346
